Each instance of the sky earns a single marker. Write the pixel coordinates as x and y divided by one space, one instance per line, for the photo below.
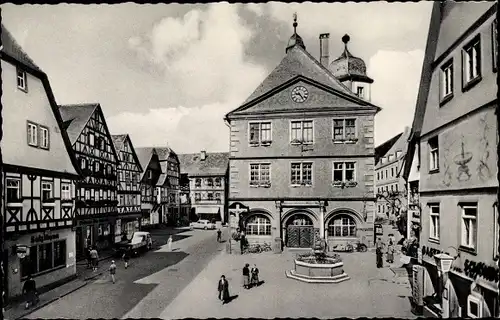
167 74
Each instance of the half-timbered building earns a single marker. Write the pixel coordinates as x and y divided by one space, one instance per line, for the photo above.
150 204
170 188
96 205
39 174
129 187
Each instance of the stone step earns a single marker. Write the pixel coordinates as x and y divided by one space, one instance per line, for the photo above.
336 279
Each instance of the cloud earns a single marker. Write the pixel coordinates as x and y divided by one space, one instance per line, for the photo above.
186 130
396 78
202 54
257 9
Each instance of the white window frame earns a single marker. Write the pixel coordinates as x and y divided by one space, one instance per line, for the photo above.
344 169
434 228
471 242
263 224
302 182
44 137
32 134
259 182
475 60
433 154
22 79
344 139
17 187
301 140
447 80
259 140
43 188
65 191
91 138
473 298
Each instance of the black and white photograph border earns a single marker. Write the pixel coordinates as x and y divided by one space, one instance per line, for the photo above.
249 160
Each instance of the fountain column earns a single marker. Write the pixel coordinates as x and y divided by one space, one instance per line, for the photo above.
322 219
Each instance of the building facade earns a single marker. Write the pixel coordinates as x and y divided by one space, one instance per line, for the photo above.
170 188
39 175
96 194
302 153
390 187
150 206
129 187
457 137
208 181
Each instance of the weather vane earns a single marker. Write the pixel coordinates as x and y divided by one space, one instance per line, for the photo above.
295 24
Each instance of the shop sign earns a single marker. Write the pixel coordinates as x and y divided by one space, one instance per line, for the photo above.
474 269
44 237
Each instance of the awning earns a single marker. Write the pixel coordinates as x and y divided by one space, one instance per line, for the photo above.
207 210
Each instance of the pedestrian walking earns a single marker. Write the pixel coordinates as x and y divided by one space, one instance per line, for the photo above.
223 289
112 270
29 289
126 258
94 256
219 235
390 252
254 272
169 243
379 247
243 242
246 276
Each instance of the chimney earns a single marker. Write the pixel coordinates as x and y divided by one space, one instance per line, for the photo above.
324 54
203 155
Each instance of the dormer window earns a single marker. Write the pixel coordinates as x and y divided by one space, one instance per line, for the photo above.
22 80
360 92
398 154
197 183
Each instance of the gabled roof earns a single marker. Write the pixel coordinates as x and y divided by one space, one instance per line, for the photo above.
76 117
400 144
12 52
297 62
215 163
382 149
11 48
164 153
119 142
145 154
425 82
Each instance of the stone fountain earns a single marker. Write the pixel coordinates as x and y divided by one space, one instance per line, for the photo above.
318 266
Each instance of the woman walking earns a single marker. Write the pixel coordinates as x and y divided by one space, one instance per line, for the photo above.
223 289
255 275
246 276
390 252
126 258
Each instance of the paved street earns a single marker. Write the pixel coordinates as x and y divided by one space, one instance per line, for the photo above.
103 299
371 292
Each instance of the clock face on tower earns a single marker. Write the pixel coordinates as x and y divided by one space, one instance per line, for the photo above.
299 94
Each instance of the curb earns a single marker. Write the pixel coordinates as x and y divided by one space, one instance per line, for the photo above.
40 306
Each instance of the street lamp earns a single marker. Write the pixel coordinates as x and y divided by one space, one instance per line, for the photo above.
443 262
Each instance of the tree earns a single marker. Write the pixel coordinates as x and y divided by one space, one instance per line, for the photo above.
398 207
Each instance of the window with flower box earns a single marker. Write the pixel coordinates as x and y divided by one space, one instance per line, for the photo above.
259 133
344 130
344 174
301 132
301 174
260 175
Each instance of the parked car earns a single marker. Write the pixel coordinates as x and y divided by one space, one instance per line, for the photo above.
140 242
202 224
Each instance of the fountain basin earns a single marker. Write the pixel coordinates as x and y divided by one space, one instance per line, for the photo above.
327 270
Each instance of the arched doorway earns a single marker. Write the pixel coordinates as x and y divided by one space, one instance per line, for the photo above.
299 231
342 226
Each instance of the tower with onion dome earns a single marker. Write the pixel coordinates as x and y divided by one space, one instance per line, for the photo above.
351 71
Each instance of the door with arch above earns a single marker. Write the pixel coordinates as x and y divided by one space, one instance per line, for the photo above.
299 231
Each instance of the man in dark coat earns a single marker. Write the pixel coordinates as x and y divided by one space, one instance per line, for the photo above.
379 247
29 289
223 289
246 276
